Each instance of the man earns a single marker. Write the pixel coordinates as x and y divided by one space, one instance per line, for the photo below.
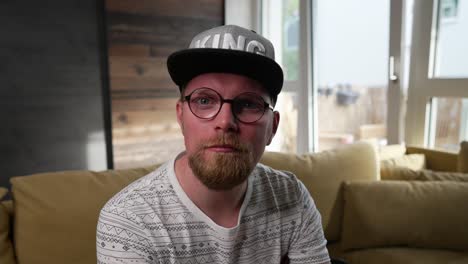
214 203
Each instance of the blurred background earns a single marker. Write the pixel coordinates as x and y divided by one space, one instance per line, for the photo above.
85 84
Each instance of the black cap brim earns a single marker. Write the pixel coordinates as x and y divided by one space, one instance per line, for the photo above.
186 64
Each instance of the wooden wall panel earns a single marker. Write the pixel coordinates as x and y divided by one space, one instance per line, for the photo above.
203 9
141 35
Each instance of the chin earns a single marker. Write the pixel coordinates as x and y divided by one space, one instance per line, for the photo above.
221 171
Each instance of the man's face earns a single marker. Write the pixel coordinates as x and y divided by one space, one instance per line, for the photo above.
223 151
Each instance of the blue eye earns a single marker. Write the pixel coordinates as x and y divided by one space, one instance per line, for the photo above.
203 100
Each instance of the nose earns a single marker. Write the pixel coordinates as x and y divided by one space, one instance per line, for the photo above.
225 120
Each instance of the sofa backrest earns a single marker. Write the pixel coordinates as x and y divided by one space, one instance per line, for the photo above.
436 160
420 214
323 174
56 213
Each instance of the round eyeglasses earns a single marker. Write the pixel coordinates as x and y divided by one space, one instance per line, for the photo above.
205 103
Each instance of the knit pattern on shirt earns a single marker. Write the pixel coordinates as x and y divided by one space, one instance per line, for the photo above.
153 221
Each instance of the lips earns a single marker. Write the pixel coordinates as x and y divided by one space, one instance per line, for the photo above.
222 148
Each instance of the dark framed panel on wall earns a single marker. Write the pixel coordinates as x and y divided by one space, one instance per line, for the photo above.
140 37
51 95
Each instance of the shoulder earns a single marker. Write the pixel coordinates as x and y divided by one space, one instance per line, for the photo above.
279 183
278 178
123 231
134 207
139 190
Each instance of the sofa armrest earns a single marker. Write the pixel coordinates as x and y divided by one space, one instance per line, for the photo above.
436 160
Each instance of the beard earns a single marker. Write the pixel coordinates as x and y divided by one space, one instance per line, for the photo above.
222 171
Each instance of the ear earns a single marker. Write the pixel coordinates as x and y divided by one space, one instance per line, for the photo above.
180 114
274 127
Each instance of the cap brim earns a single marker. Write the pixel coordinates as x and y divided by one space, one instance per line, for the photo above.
186 64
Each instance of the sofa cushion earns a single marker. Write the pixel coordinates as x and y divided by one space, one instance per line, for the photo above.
7 255
56 213
391 151
405 255
404 174
410 161
323 173
414 214
463 157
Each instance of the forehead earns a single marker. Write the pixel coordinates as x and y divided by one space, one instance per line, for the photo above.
227 84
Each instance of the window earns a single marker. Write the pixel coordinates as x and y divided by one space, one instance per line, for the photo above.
437 114
348 92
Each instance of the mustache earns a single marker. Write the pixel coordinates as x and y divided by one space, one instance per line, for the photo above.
231 141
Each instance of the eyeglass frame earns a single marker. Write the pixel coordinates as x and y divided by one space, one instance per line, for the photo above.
231 101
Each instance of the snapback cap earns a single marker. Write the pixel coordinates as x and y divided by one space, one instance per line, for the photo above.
228 49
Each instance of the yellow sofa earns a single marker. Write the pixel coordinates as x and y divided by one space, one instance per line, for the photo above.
411 215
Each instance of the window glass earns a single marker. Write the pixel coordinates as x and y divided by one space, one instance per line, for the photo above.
285 139
284 34
451 54
351 63
451 122
352 39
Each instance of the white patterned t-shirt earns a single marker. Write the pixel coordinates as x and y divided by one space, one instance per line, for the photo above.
153 221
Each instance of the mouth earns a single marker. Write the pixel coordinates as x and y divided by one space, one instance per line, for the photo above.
222 148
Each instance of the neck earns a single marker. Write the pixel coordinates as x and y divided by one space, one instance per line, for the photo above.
222 206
